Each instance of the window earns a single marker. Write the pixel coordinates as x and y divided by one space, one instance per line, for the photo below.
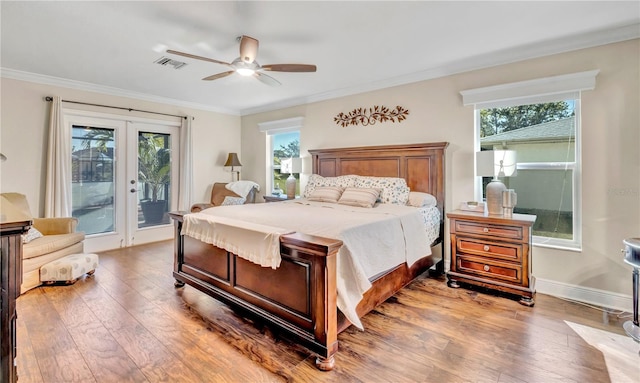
93 178
283 146
544 138
540 120
283 141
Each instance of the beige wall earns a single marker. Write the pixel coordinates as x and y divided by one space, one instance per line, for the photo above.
23 136
610 136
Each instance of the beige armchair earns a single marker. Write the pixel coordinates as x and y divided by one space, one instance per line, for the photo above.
218 193
59 239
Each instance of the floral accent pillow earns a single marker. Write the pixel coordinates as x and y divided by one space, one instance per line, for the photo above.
317 180
394 190
228 201
32 234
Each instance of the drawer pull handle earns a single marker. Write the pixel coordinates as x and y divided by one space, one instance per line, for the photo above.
486 268
486 229
486 247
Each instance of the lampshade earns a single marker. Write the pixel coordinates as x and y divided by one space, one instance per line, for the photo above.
496 163
291 165
232 160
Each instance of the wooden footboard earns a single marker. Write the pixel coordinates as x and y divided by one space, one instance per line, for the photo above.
299 297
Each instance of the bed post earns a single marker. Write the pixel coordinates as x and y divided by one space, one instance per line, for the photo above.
178 243
324 301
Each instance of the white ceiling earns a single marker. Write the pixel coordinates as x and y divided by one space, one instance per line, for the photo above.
110 47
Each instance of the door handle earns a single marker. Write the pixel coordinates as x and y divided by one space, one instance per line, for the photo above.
132 190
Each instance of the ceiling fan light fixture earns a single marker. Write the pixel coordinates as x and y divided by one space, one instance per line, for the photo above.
245 71
246 65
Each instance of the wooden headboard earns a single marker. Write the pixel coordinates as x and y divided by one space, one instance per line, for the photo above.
421 165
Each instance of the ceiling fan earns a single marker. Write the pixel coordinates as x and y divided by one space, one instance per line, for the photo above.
246 64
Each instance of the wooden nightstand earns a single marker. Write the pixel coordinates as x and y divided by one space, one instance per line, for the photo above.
273 198
492 252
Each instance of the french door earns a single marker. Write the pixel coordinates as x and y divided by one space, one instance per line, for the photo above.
124 179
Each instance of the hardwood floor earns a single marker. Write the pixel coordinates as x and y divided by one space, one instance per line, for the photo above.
128 323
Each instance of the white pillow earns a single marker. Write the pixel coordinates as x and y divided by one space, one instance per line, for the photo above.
419 199
32 234
229 200
361 197
326 194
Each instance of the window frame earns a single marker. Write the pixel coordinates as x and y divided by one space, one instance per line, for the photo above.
574 244
542 90
273 128
272 167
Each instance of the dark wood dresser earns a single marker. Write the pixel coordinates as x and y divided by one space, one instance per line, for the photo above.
492 252
11 273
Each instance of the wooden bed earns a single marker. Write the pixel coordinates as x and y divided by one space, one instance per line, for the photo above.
299 297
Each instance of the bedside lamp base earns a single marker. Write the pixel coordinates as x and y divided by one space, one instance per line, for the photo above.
494 197
290 186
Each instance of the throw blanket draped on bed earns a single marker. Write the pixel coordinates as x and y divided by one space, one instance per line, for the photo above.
374 239
254 242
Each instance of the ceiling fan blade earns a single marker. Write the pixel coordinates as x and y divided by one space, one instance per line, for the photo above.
219 75
197 57
267 79
248 49
289 68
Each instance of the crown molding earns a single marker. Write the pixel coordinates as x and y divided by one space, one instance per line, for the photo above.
491 59
89 87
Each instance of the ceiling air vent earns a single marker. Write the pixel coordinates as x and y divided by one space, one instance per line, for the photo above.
165 61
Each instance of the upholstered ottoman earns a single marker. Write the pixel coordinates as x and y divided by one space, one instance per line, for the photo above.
68 269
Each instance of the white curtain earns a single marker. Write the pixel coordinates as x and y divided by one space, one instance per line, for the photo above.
58 187
186 165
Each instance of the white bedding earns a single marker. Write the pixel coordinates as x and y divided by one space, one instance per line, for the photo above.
374 239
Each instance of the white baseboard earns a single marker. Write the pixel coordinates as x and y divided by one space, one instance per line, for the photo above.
592 296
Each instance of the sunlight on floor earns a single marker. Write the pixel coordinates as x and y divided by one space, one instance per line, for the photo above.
620 352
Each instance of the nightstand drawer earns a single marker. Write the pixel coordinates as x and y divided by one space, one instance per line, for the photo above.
506 251
493 270
503 231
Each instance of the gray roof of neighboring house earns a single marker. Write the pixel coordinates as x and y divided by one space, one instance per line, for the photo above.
549 131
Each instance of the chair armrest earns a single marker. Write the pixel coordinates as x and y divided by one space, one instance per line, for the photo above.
200 206
53 226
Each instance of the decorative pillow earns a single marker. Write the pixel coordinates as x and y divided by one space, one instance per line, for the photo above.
326 194
394 190
228 200
359 197
32 234
317 180
419 199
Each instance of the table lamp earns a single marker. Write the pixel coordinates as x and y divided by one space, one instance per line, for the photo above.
233 161
495 163
291 165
